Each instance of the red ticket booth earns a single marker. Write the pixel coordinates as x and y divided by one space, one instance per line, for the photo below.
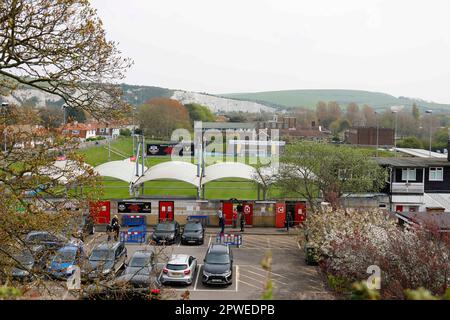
248 213
228 207
166 211
100 211
280 214
227 210
300 213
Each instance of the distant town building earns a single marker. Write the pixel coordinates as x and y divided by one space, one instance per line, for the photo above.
287 127
82 131
85 131
23 136
417 184
368 136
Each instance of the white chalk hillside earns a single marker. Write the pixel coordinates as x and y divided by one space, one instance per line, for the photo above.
40 98
218 104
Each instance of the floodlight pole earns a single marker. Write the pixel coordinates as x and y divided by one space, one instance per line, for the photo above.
5 105
378 132
395 133
430 112
143 163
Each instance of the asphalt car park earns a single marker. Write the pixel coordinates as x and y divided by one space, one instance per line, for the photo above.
291 277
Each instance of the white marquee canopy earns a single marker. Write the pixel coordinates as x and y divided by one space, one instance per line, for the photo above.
124 170
175 170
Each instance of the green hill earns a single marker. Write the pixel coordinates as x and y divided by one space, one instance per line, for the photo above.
309 98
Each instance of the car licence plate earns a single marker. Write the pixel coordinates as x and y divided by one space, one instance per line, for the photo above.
177 275
191 241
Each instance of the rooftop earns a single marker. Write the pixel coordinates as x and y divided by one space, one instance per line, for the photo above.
224 125
410 162
439 219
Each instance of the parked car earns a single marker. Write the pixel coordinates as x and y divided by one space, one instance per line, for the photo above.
193 233
63 263
180 269
140 270
30 262
166 232
218 265
47 240
105 260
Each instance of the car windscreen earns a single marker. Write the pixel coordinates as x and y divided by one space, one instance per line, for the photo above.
65 256
140 262
102 255
39 237
165 227
177 266
217 258
24 259
192 227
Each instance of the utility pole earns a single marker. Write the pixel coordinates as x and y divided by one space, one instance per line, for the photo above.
430 112
395 132
134 130
64 107
378 131
5 106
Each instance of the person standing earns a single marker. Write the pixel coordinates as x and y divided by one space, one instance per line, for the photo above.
242 220
288 220
221 220
115 227
235 218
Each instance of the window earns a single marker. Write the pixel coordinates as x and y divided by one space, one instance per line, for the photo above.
436 174
409 174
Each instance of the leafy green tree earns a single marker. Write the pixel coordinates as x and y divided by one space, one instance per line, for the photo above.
410 142
197 112
440 140
308 169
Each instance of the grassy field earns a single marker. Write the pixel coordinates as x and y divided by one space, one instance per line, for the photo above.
220 189
113 188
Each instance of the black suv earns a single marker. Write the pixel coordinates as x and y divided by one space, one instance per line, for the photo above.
166 232
105 260
218 265
193 232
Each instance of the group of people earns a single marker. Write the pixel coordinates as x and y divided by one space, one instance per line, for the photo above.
238 215
114 228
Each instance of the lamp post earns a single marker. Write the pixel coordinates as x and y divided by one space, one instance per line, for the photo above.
5 105
134 130
378 131
430 112
64 107
395 132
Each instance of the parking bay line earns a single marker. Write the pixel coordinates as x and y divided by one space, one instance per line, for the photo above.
198 274
237 278
261 269
257 280
251 285
260 275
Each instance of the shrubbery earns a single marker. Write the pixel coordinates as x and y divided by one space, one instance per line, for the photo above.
95 139
348 242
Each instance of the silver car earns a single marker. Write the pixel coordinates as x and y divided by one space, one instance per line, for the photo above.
180 269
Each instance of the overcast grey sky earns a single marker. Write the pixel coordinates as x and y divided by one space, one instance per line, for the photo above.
399 47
